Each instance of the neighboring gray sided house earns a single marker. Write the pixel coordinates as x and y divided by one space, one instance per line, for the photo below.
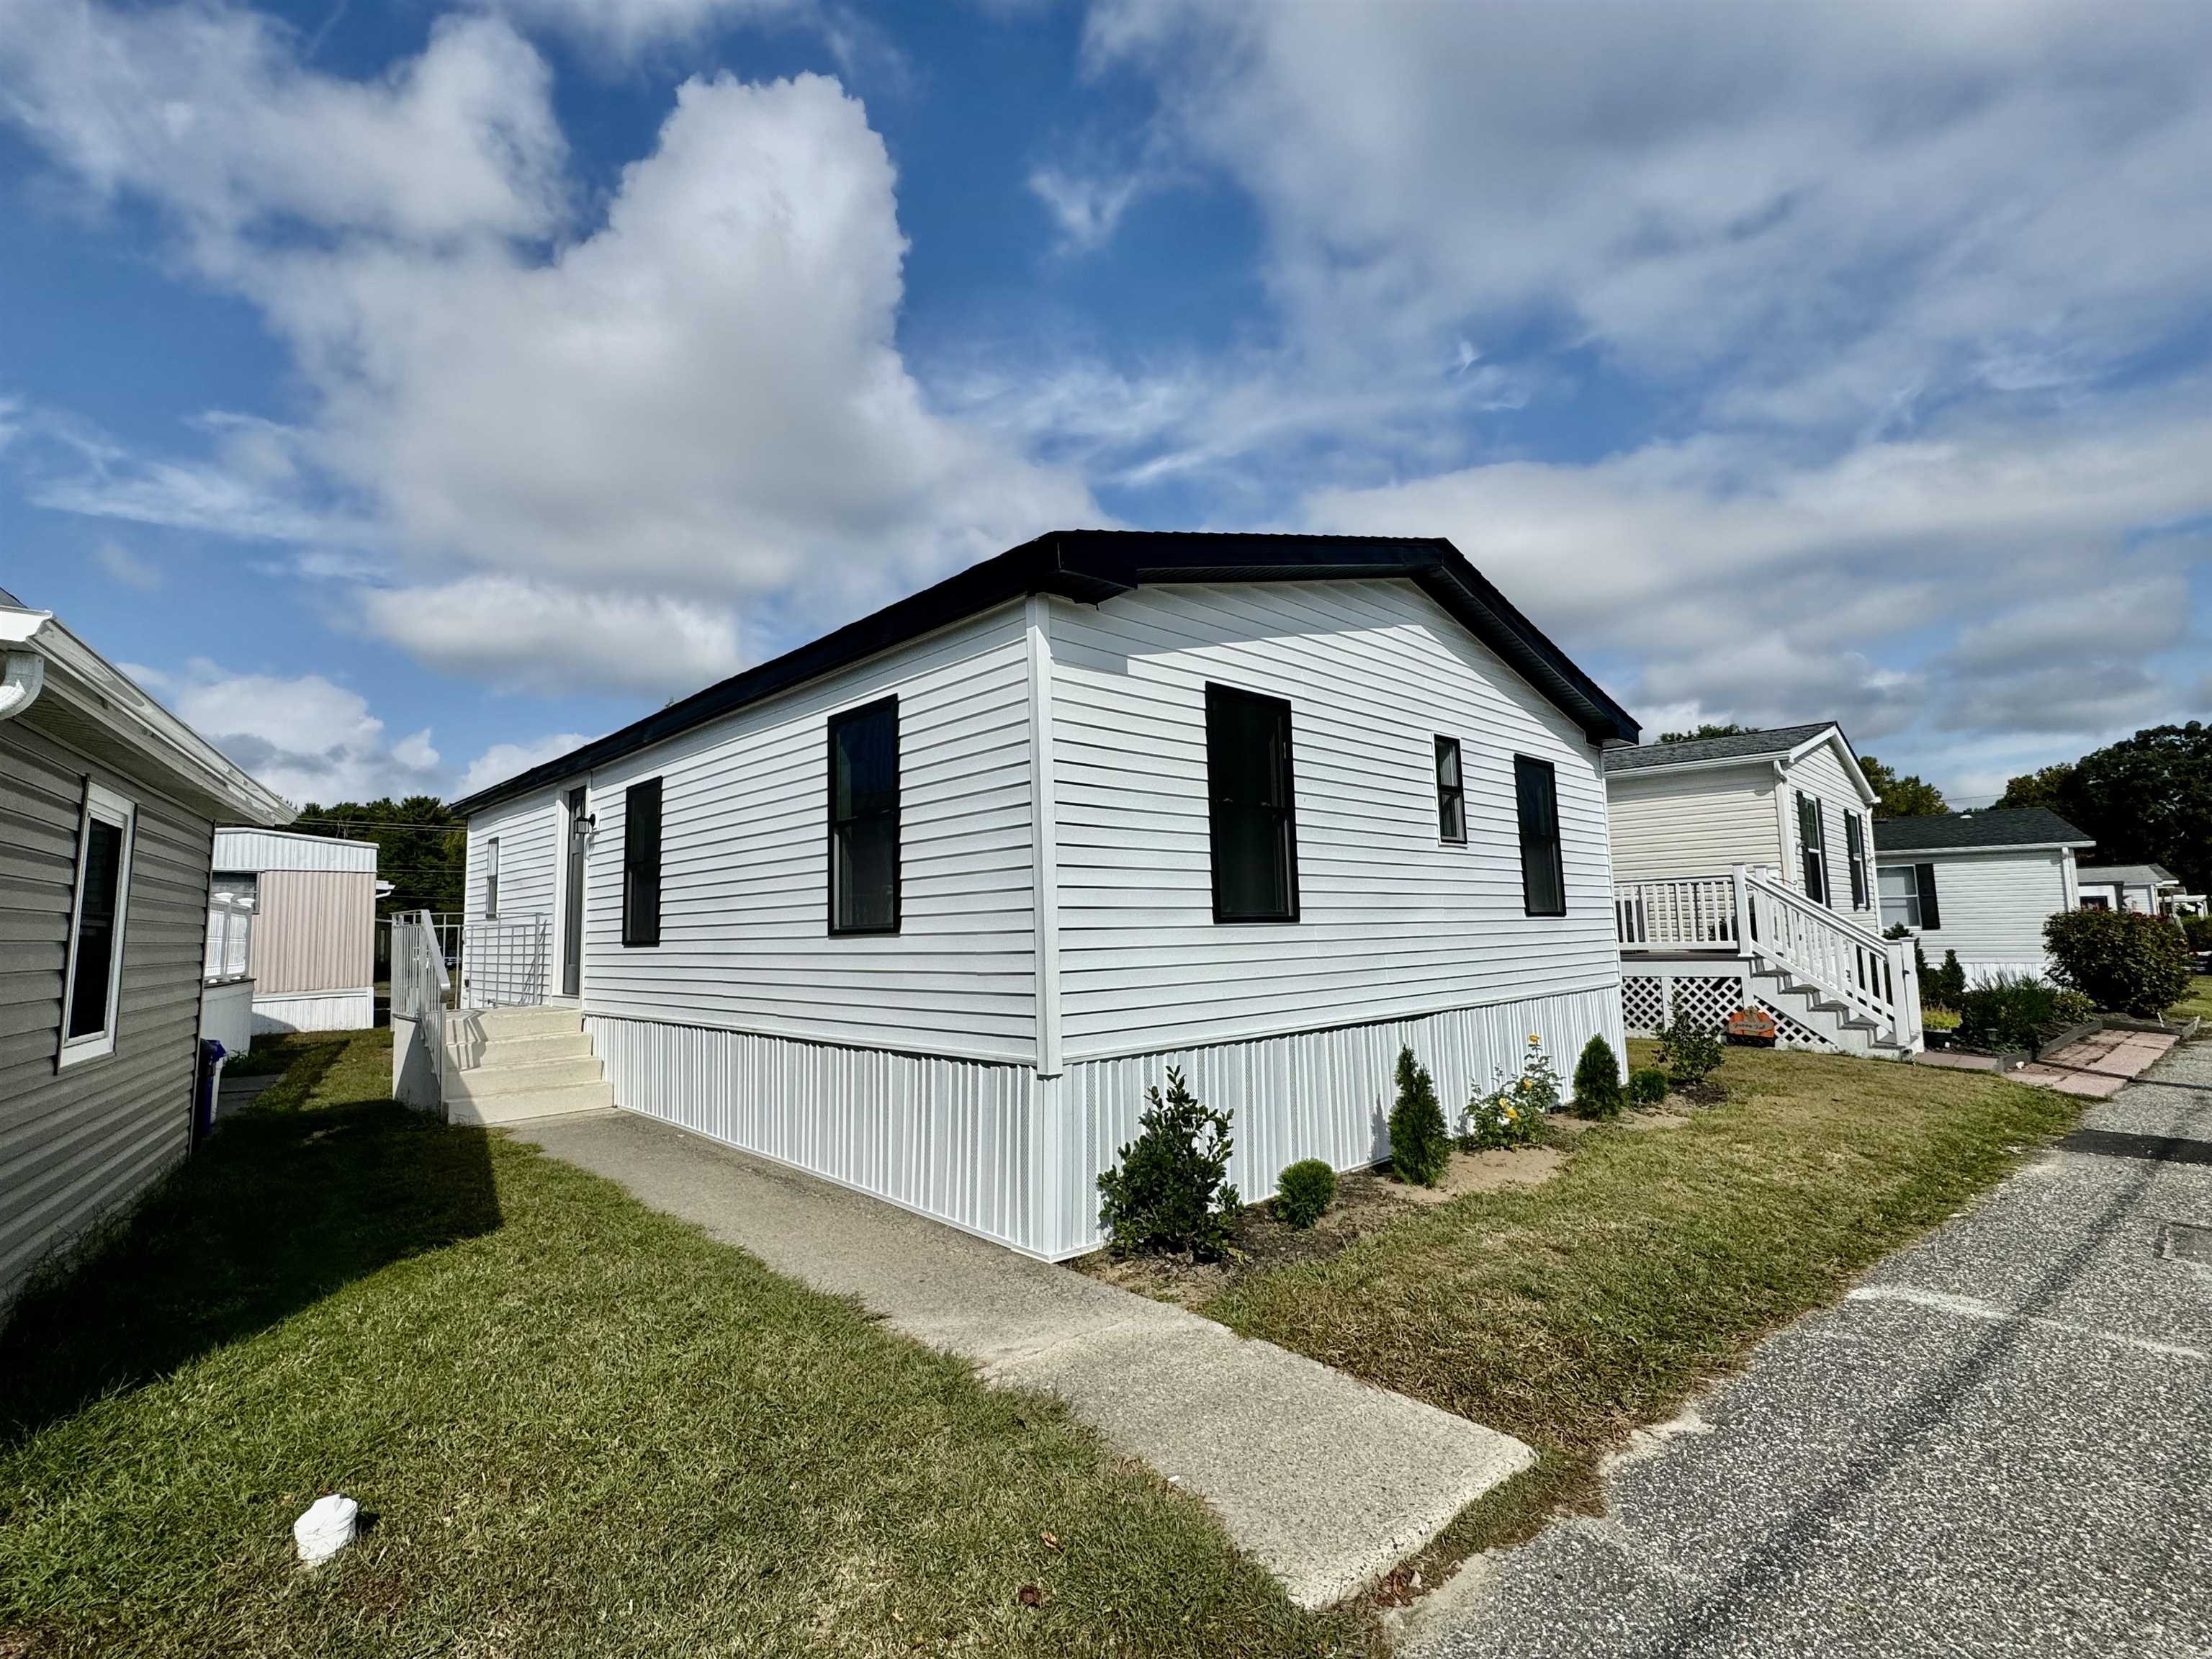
1743 871
108 804
923 907
1982 883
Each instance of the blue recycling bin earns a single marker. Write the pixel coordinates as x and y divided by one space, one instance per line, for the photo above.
211 1058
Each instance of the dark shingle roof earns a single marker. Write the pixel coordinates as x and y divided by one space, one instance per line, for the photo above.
2012 826
1744 745
2133 875
1093 565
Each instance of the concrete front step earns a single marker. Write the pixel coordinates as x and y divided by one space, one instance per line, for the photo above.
496 1109
473 1054
483 1082
497 1024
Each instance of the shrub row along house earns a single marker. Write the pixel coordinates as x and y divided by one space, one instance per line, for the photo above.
923 906
108 806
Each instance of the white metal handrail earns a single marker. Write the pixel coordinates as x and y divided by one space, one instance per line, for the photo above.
1872 977
505 964
420 984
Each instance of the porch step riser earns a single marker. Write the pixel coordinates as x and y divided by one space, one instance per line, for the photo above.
496 1024
519 1051
521 1079
580 1097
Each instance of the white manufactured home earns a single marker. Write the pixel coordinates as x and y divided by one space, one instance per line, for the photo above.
2150 890
1744 871
1981 883
296 914
924 906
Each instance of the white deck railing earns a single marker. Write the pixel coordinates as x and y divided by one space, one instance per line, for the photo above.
506 964
1696 915
1749 913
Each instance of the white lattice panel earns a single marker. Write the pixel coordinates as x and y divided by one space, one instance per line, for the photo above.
1794 1033
1643 1003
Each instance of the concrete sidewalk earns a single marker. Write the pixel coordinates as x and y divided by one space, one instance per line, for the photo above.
1325 1482
1999 1443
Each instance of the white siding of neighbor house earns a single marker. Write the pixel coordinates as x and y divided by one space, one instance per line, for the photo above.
528 830
1993 906
745 940
1697 822
1394 922
1821 774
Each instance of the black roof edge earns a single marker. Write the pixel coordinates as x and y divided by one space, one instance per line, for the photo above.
1089 566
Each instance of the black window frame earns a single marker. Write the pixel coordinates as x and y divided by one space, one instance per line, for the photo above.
1813 853
1451 798
1219 699
834 895
640 920
1854 854
1539 842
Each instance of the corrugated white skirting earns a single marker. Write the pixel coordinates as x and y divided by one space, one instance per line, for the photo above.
316 1011
950 1138
998 1150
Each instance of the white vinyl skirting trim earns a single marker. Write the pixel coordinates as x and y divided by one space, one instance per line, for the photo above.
994 1149
315 1010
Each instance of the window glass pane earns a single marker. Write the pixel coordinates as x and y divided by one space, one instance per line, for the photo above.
867 764
1543 879
642 863
1248 784
1451 800
1900 897
866 852
93 967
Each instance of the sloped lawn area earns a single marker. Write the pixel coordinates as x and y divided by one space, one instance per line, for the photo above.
580 1427
1573 1313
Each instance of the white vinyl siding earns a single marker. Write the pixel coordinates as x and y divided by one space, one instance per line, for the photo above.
744 937
1992 905
1392 922
525 835
1669 825
1821 775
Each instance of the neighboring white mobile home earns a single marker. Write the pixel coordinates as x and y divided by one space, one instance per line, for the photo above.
2151 890
107 810
1982 883
296 914
923 907
1743 869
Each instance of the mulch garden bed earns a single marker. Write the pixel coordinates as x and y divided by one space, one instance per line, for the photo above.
1367 1200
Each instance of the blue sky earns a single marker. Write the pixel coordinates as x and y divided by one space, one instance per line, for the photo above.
407 391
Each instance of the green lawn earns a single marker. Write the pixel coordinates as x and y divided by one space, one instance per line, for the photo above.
1571 1313
2198 1004
580 1428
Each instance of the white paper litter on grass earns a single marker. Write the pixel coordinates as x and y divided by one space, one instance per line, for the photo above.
326 1528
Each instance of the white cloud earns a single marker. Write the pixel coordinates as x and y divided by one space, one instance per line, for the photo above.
505 760
1735 579
126 567
1850 210
306 737
628 27
525 636
698 400
1087 207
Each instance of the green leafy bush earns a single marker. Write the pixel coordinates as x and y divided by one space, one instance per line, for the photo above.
1689 1053
1171 1191
1304 1192
1647 1085
1513 1113
2007 1011
1420 1147
2071 1007
1597 1081
2131 964
2198 930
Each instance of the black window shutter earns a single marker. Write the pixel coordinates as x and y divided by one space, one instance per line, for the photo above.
1855 836
1924 877
642 863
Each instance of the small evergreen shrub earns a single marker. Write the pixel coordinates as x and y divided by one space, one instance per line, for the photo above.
1647 1085
1947 985
1171 1191
1303 1193
1689 1053
1513 1113
1597 1081
1420 1147
2071 1007
2128 962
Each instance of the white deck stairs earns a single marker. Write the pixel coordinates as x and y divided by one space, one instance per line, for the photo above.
1813 1007
504 1065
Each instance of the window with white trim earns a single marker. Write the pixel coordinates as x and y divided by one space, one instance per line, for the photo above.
491 879
93 980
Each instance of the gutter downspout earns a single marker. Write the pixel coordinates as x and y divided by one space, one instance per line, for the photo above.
26 677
